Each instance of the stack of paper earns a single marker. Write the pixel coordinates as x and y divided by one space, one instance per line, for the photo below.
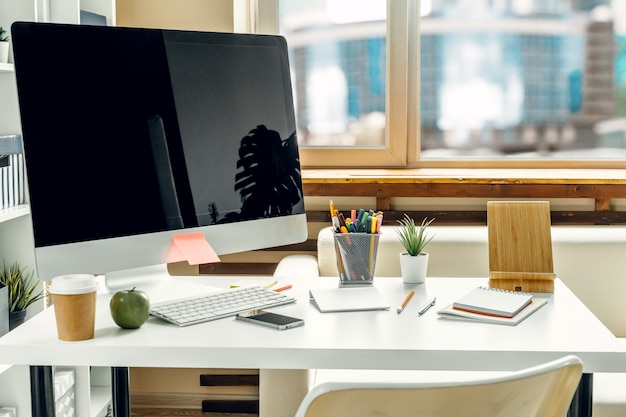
493 306
348 299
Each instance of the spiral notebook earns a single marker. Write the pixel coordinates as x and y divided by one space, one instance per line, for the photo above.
493 306
493 302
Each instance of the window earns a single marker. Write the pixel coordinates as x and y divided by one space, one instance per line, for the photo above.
343 80
522 80
338 52
458 82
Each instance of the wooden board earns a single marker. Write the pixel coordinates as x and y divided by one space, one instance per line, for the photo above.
522 281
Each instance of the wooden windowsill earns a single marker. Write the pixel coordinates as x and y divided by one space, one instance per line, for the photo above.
600 185
466 176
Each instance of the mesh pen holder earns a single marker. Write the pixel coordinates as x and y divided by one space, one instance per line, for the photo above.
356 258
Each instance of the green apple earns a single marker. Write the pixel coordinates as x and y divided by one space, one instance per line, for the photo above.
130 308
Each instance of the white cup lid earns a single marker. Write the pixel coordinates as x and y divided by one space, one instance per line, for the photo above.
73 284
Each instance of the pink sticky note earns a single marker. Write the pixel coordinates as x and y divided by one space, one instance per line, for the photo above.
191 247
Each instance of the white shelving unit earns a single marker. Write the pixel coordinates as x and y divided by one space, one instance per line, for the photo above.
15 389
16 239
100 394
15 212
93 385
93 391
68 11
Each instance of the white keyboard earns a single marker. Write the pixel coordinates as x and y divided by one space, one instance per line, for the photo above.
201 308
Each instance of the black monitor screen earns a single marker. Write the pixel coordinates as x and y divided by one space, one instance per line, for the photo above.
129 131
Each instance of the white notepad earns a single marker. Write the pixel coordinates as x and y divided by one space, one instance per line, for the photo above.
451 313
348 299
494 302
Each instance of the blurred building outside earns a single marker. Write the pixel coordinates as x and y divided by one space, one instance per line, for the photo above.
499 78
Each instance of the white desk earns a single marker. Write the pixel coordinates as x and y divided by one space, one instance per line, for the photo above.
356 340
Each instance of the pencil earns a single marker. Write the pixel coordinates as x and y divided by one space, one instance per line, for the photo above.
406 301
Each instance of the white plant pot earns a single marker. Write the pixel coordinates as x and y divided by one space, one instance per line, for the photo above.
4 52
413 267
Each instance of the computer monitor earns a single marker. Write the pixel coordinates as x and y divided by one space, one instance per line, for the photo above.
133 135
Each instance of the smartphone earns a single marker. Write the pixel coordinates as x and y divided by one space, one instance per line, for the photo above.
265 318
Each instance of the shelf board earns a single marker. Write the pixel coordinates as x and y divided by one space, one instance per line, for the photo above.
7 68
11 213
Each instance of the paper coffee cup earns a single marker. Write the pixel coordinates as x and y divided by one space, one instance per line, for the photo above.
74 299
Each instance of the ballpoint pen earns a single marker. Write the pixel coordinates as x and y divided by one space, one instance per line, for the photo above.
405 302
428 305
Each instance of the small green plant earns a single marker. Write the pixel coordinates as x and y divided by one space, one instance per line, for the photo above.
414 238
22 287
4 35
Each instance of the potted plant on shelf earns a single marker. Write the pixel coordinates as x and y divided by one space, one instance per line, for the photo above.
4 46
23 291
414 238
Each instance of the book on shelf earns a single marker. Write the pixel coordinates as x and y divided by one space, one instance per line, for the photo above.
491 305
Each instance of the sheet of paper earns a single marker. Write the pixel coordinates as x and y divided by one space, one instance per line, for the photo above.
348 299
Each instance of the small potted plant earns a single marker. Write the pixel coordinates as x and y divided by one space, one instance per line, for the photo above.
23 291
414 238
4 46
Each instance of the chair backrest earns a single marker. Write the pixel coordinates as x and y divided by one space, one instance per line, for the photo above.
541 391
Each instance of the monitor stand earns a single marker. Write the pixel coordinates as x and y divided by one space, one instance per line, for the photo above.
143 277
156 281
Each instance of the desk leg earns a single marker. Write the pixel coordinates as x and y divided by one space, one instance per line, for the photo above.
583 398
42 391
120 387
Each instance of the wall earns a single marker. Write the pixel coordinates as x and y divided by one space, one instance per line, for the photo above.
206 15
403 204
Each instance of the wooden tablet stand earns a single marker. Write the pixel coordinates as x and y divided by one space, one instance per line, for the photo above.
520 246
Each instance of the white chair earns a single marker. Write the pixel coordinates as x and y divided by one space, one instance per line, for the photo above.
542 391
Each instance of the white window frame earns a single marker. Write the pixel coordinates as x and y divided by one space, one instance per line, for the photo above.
402 84
402 138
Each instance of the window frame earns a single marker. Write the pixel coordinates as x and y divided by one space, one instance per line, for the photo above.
402 136
401 93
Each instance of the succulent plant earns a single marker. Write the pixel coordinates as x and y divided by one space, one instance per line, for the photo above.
414 238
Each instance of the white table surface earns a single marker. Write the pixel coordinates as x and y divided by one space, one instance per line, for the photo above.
347 340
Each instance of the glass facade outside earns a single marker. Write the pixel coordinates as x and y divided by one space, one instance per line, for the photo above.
338 52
